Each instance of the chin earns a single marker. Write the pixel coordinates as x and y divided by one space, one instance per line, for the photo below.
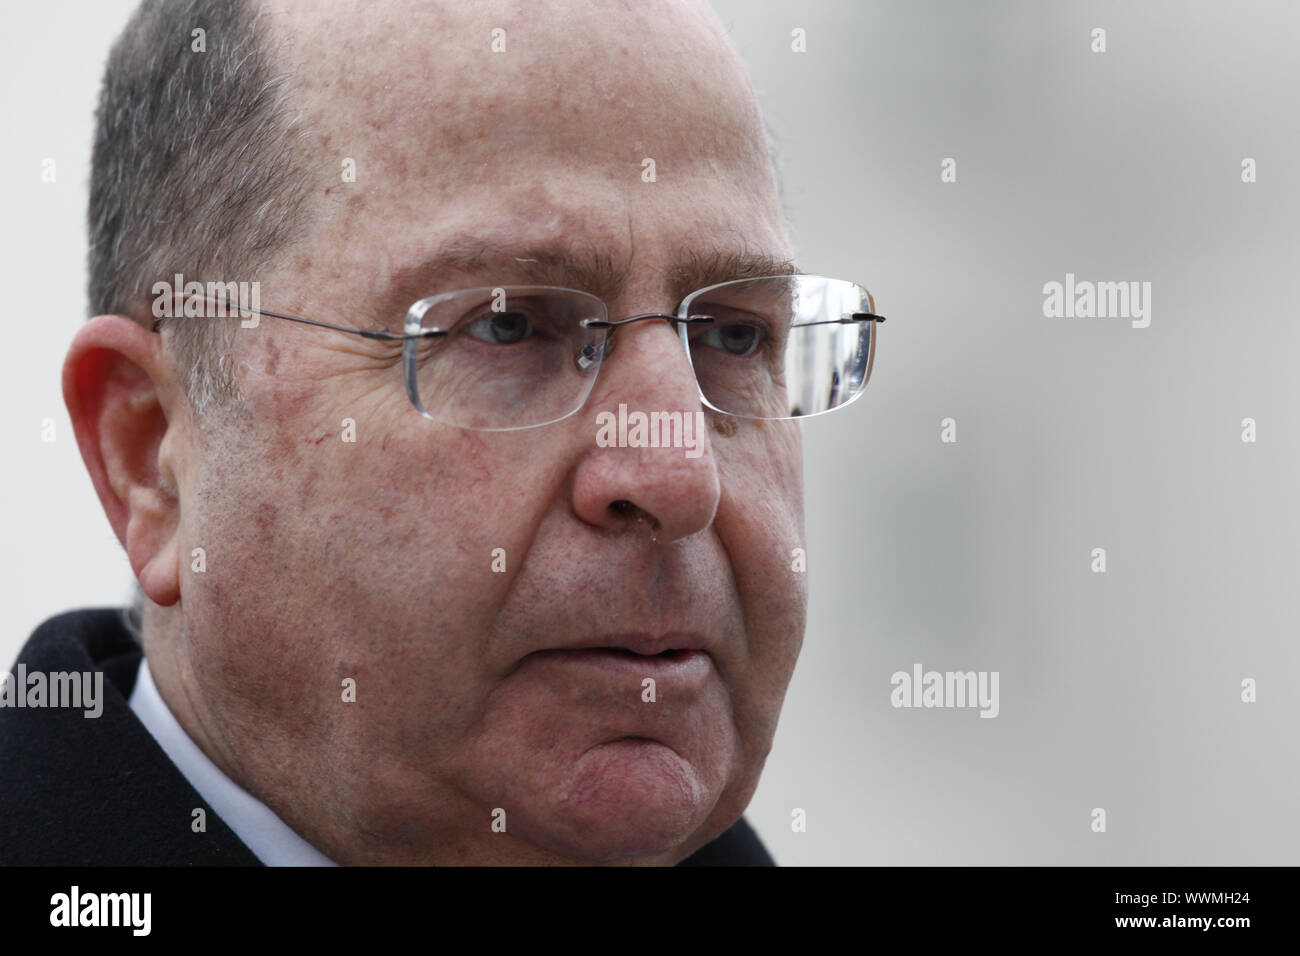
629 800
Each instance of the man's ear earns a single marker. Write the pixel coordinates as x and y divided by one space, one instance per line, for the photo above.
123 397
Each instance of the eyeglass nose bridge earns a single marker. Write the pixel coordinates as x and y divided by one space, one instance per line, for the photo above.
614 324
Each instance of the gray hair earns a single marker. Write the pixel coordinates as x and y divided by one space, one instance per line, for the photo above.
195 171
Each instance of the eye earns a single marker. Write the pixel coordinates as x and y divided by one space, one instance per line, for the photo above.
501 328
734 338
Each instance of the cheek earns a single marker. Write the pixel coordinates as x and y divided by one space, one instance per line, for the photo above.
385 559
760 522
760 514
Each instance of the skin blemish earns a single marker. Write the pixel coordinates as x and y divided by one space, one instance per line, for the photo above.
725 426
264 516
272 357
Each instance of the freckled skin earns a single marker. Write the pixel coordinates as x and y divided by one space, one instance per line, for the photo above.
372 559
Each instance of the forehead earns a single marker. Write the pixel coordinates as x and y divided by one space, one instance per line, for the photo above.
527 126
391 66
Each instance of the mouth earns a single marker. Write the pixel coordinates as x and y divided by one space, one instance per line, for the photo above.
665 646
671 654
680 666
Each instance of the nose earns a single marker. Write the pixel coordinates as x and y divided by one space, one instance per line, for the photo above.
645 397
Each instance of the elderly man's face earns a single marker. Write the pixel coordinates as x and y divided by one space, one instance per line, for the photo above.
377 560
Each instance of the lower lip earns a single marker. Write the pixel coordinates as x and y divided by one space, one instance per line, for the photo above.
679 667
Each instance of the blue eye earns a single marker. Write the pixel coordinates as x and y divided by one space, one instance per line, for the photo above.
734 338
501 328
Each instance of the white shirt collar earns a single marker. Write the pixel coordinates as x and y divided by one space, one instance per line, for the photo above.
270 838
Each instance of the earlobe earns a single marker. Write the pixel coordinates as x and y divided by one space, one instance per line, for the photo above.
116 386
151 544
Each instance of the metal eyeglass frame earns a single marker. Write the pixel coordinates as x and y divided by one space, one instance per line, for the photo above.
414 335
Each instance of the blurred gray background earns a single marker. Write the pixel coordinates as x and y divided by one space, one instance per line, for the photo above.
1119 690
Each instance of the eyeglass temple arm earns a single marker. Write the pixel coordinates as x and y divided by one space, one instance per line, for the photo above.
382 334
848 319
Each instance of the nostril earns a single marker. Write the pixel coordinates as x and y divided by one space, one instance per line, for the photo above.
636 513
628 510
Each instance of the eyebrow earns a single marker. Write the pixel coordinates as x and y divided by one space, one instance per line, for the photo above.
559 264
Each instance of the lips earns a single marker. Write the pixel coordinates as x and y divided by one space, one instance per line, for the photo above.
682 666
676 653
685 658
642 645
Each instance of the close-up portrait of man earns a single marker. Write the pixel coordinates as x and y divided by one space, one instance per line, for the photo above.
649 433
465 535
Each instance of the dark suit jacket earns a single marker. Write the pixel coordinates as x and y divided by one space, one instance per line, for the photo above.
77 791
